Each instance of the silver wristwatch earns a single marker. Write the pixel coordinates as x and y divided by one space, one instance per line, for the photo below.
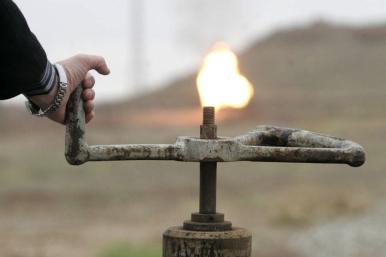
61 92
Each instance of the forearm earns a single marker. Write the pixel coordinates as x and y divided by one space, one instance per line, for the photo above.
24 68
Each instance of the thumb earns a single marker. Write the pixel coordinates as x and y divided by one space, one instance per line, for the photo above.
97 63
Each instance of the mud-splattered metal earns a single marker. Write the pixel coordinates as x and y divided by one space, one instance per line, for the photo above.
263 144
207 234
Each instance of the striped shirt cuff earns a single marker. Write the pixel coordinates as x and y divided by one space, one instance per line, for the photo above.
46 82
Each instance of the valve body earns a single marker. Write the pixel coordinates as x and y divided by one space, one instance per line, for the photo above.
178 242
207 234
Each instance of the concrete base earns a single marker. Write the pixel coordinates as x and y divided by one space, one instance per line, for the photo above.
178 242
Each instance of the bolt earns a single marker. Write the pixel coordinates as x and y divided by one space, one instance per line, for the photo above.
208 129
208 115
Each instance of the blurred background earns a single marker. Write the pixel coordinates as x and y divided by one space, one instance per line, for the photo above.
315 65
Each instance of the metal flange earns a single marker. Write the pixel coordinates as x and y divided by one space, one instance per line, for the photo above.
178 242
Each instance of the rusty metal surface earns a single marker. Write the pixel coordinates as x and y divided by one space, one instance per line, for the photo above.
208 219
200 217
208 185
207 234
191 225
265 143
178 242
76 151
208 170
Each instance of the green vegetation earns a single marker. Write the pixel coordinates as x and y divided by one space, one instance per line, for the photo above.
122 249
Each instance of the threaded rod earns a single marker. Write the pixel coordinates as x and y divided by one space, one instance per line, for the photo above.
208 170
208 115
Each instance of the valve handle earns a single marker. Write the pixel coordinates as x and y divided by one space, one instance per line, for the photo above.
76 148
265 144
269 143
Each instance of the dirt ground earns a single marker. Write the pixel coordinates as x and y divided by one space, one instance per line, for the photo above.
49 208
321 78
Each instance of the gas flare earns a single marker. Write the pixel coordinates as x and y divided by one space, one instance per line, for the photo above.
219 81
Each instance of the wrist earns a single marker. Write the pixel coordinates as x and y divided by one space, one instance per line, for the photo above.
46 83
43 101
51 102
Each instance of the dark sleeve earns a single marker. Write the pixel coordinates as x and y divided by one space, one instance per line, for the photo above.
24 68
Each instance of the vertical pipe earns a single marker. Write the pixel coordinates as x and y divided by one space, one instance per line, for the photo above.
208 170
208 174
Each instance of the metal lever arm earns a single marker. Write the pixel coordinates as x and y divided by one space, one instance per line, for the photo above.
77 151
269 143
266 144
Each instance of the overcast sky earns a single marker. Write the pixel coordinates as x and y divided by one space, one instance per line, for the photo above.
174 35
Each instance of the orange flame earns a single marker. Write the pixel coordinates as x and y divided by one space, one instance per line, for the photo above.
219 81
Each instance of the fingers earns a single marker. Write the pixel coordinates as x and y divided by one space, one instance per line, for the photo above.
88 94
77 68
90 116
88 81
88 107
97 63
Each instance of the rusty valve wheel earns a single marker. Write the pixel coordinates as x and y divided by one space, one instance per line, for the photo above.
264 144
207 233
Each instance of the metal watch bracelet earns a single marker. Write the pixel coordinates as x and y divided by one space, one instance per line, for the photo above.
37 111
61 92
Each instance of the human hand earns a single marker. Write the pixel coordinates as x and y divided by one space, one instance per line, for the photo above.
77 70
